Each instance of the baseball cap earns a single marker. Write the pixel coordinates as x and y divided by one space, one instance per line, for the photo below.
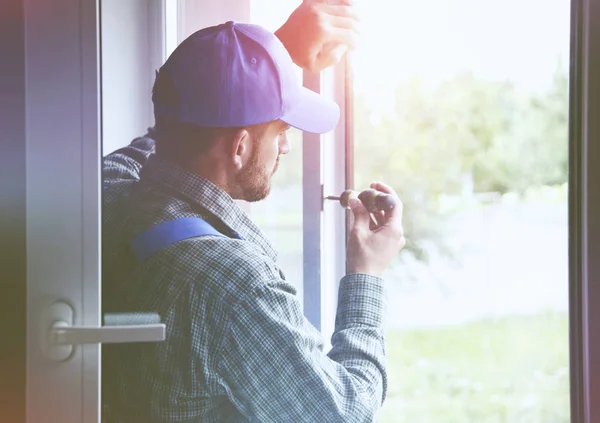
238 74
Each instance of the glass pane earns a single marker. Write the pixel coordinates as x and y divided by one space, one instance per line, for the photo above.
280 214
465 111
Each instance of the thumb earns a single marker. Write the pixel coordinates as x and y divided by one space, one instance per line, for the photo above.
361 215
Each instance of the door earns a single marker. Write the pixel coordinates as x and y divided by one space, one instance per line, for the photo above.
63 144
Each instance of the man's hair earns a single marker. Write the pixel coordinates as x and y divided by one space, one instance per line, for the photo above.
178 141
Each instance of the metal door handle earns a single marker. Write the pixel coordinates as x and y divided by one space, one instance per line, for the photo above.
60 336
63 334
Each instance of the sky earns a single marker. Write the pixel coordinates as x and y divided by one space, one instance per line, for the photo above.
516 40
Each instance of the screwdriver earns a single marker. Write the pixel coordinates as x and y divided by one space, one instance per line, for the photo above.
373 200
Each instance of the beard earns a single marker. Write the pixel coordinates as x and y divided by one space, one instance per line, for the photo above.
254 180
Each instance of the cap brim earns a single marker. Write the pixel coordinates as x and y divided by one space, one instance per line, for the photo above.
313 113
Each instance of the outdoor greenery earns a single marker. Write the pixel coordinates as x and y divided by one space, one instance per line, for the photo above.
461 138
512 370
490 135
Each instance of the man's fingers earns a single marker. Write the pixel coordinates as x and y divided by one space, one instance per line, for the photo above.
340 10
339 2
339 22
330 55
397 210
362 219
380 186
345 36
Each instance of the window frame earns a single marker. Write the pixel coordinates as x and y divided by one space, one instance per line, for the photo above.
324 249
335 172
312 205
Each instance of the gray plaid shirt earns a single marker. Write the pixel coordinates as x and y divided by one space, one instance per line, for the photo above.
238 346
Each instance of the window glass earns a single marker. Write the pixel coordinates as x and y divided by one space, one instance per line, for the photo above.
462 106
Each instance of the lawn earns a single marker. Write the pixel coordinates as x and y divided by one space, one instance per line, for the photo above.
511 370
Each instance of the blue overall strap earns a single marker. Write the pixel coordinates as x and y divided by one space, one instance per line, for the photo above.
166 233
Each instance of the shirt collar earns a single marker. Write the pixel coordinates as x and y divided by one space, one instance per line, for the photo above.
204 193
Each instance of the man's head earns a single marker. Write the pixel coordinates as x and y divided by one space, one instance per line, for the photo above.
223 102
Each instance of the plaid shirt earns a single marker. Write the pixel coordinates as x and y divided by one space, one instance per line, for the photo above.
238 346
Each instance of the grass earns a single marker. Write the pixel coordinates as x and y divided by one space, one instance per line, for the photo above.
511 370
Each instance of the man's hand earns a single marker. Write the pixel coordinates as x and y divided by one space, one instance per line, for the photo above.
371 247
319 32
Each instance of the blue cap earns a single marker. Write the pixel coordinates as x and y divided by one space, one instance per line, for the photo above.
237 74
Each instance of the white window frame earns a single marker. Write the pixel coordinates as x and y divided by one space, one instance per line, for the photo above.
312 216
324 221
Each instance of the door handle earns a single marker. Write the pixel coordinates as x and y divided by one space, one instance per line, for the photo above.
59 336
63 334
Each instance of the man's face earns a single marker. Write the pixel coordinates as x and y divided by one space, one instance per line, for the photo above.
254 179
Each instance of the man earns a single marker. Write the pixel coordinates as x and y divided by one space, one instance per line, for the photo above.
316 35
238 347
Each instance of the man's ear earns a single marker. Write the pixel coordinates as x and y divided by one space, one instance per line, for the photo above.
241 148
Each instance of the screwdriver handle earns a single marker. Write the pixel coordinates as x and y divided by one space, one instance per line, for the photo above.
373 200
